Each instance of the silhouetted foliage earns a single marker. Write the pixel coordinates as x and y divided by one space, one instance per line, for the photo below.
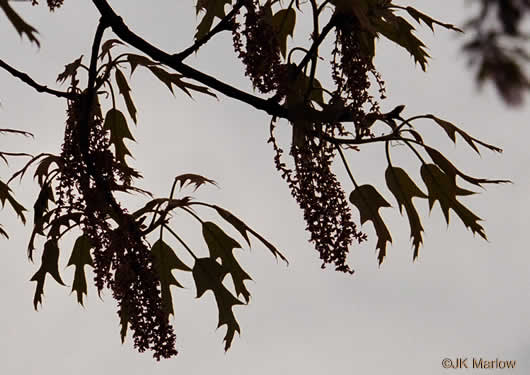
79 183
497 47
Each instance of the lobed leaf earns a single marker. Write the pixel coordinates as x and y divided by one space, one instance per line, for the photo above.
368 201
283 24
243 228
5 195
445 165
116 124
108 45
404 189
419 16
170 79
165 260
208 275
49 264
442 188
135 60
221 246
42 171
451 131
41 204
193 179
125 90
70 70
212 9
20 25
398 30
80 258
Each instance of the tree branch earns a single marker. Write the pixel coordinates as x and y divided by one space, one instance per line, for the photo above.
270 106
40 88
122 31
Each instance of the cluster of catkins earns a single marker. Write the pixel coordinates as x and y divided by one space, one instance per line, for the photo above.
312 181
121 256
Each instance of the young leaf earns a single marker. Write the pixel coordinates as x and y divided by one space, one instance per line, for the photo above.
116 124
243 228
79 258
451 131
283 23
70 70
442 188
404 189
125 90
213 8
208 274
5 194
398 30
108 45
42 171
49 264
41 204
452 171
165 260
135 60
419 16
20 25
368 201
195 179
221 246
170 79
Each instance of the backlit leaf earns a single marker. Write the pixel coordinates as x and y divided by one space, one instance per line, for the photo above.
42 171
283 23
398 30
170 79
135 60
41 204
193 179
221 246
443 188
125 90
20 25
116 124
80 258
5 195
108 45
404 189
451 131
165 260
212 9
449 169
70 70
49 264
368 201
208 275
243 228
419 16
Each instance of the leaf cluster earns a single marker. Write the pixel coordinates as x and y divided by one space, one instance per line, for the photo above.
79 186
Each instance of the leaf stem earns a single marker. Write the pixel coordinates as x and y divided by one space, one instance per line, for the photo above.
345 162
181 241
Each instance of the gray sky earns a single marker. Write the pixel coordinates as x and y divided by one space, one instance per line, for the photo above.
464 297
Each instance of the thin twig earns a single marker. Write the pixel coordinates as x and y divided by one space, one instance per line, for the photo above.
40 88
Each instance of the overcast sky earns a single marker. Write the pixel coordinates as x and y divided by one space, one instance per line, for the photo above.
464 297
